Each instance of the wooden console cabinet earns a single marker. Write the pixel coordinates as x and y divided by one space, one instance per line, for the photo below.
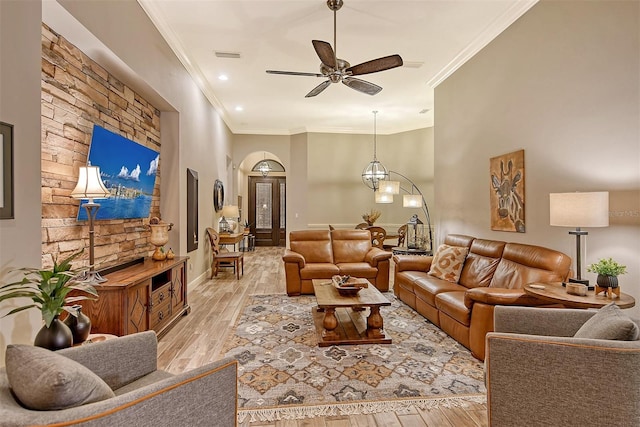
143 296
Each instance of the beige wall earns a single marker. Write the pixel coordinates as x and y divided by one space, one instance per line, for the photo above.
20 25
120 37
324 184
337 194
561 83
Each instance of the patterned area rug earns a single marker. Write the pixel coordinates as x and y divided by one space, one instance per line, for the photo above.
283 374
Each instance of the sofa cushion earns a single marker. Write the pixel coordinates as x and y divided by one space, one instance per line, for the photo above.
350 245
481 263
522 264
448 262
43 380
428 287
313 245
452 303
319 270
358 269
609 323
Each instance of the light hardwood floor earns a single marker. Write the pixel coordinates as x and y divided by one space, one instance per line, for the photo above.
215 306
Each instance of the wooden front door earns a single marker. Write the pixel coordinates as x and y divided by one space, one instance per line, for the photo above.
267 213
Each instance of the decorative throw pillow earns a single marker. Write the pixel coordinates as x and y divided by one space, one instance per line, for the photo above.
609 323
43 380
448 262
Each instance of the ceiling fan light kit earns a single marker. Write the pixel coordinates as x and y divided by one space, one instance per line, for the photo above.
337 70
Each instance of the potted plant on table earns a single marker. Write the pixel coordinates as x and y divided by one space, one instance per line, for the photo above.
49 291
608 271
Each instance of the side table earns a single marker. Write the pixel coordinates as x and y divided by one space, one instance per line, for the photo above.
401 250
557 294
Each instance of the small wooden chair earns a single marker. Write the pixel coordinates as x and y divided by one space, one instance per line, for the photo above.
378 234
218 257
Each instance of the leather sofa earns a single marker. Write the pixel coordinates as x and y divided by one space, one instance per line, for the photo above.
494 273
320 254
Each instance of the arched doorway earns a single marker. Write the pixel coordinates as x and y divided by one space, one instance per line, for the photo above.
267 203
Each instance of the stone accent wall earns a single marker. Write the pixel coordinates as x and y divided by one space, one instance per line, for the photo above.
76 94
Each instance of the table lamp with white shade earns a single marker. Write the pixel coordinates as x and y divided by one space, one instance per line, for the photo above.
90 186
579 210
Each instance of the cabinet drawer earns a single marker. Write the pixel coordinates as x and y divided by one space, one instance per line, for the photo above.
160 295
160 313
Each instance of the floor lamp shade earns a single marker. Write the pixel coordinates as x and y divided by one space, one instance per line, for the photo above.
579 210
89 184
412 201
382 197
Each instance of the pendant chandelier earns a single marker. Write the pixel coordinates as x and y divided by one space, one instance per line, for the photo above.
264 167
375 171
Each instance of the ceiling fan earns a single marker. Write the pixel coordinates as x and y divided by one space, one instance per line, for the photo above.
338 70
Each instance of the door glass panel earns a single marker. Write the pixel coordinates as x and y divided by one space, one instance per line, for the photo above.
283 215
263 204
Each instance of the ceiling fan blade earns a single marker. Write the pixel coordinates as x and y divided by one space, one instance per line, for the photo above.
316 90
294 73
375 65
361 85
325 53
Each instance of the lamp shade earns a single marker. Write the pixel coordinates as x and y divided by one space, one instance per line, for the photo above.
390 187
230 211
90 184
381 197
579 209
412 201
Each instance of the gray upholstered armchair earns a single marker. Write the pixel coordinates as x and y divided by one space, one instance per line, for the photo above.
143 395
538 374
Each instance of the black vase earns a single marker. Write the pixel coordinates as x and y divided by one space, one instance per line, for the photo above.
605 281
57 336
80 325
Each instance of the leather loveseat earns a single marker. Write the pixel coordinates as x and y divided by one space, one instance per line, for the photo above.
320 254
493 273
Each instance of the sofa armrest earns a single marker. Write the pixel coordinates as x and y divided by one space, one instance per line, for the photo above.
118 361
205 393
499 296
375 255
294 257
412 262
533 380
560 322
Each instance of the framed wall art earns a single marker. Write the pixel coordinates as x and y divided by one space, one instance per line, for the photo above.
192 210
6 171
507 192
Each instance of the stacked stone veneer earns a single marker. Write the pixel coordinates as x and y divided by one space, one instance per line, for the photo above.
76 94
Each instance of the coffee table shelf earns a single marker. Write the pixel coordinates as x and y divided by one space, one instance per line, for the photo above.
344 320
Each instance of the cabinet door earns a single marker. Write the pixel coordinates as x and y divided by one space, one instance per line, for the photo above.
178 288
138 299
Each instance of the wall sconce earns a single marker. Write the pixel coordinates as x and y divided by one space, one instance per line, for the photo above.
90 186
579 210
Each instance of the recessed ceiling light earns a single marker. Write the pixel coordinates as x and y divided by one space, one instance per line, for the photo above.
239 108
223 77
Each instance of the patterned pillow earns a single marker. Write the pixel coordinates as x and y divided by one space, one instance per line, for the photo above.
43 380
448 262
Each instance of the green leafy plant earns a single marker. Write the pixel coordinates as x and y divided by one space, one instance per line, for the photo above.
607 267
246 223
49 289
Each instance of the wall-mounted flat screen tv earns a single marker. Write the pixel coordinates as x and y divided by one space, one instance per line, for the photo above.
128 170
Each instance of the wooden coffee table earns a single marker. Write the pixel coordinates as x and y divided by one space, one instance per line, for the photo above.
341 319
556 293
